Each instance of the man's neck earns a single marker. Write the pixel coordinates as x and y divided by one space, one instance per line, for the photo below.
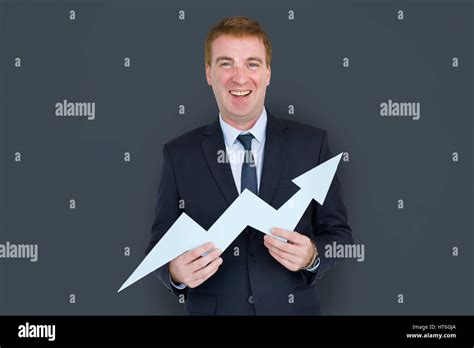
242 125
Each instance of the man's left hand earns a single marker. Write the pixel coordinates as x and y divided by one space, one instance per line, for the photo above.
295 254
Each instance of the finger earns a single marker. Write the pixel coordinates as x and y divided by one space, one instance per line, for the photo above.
205 272
272 242
286 256
197 252
198 282
202 280
292 236
287 264
204 260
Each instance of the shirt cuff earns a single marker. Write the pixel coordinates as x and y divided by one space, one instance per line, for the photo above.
315 266
179 287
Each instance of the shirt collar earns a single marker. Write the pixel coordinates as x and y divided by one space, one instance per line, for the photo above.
231 133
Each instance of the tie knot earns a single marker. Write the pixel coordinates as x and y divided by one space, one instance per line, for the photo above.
246 140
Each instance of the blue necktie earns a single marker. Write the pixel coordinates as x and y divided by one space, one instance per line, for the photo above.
249 170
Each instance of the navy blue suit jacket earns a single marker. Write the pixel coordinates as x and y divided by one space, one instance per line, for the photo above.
250 281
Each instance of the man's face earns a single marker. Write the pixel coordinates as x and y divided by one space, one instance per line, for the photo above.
239 77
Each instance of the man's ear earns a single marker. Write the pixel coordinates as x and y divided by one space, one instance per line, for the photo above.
208 75
269 75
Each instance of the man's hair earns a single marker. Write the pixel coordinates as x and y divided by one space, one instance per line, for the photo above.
239 27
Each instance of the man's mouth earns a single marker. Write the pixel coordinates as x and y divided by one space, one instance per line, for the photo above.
240 94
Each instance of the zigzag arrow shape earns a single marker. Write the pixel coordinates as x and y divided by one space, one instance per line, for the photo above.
247 210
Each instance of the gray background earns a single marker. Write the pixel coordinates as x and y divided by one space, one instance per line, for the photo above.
407 251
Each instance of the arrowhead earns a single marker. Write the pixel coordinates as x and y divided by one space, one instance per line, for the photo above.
317 181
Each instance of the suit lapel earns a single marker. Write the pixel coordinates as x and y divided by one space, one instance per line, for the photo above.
273 160
222 173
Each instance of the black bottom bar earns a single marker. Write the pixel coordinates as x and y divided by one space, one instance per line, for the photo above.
139 330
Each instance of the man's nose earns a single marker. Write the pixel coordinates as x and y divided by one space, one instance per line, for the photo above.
240 76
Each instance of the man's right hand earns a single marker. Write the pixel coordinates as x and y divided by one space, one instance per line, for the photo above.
192 269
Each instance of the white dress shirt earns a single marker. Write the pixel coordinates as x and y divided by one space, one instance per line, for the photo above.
235 150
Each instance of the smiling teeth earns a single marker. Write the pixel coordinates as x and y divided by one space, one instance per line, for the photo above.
240 93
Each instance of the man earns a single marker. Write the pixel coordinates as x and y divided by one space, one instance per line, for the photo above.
257 274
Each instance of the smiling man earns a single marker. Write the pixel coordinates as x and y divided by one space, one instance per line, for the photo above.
256 275
238 69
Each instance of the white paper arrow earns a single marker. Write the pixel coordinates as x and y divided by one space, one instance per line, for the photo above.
247 210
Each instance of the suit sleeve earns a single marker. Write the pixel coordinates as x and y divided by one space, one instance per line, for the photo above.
330 223
166 213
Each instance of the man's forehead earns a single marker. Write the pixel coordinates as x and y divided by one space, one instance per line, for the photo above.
225 45
250 57
230 37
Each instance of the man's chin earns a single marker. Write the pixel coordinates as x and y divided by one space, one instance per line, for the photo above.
242 114
242 118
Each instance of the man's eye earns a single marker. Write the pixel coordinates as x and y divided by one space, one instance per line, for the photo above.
225 64
254 65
